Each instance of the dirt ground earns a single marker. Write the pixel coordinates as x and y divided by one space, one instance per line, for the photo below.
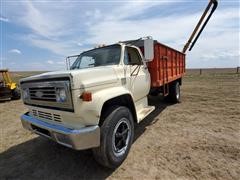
196 139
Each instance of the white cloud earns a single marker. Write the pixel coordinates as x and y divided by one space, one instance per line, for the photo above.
54 62
134 8
169 29
15 51
220 35
79 44
217 54
50 62
60 63
36 66
96 14
42 23
60 28
58 47
4 19
50 27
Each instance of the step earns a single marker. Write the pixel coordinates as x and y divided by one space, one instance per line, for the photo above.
142 113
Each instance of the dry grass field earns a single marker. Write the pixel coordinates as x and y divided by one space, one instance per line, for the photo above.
198 138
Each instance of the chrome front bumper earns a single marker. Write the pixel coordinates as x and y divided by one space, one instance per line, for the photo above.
84 138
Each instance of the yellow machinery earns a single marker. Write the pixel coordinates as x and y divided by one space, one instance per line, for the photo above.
8 88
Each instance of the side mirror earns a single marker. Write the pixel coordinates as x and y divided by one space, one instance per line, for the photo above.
148 49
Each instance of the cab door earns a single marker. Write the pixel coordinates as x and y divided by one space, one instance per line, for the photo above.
136 73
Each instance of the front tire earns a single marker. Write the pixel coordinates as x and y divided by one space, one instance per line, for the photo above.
117 132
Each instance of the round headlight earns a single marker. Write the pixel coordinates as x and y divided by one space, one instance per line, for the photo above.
61 95
25 94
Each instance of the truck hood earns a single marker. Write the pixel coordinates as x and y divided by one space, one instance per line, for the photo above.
81 78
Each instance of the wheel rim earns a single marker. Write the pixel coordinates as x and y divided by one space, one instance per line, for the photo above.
121 137
177 91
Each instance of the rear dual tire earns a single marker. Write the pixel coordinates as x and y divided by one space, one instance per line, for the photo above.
174 95
117 132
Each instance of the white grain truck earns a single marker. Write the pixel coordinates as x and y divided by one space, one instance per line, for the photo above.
96 102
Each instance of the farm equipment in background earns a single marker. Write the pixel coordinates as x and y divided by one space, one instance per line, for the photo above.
8 88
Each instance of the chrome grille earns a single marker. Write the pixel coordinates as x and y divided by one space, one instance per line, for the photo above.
43 93
47 115
34 112
57 117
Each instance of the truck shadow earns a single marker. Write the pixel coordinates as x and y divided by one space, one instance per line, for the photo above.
44 159
160 105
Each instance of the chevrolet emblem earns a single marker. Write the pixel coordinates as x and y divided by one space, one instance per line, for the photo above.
39 94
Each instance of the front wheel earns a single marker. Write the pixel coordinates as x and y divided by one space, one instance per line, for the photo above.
117 132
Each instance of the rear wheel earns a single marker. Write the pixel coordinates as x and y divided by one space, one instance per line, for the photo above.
174 92
117 133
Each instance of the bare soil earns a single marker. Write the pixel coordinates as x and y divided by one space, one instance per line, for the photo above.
198 138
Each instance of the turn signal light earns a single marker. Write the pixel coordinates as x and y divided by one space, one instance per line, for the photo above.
86 96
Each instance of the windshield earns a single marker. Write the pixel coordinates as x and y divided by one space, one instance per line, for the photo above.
109 55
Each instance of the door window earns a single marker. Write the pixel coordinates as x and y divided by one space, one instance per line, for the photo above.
132 57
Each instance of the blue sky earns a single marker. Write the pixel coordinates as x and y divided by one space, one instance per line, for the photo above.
38 35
